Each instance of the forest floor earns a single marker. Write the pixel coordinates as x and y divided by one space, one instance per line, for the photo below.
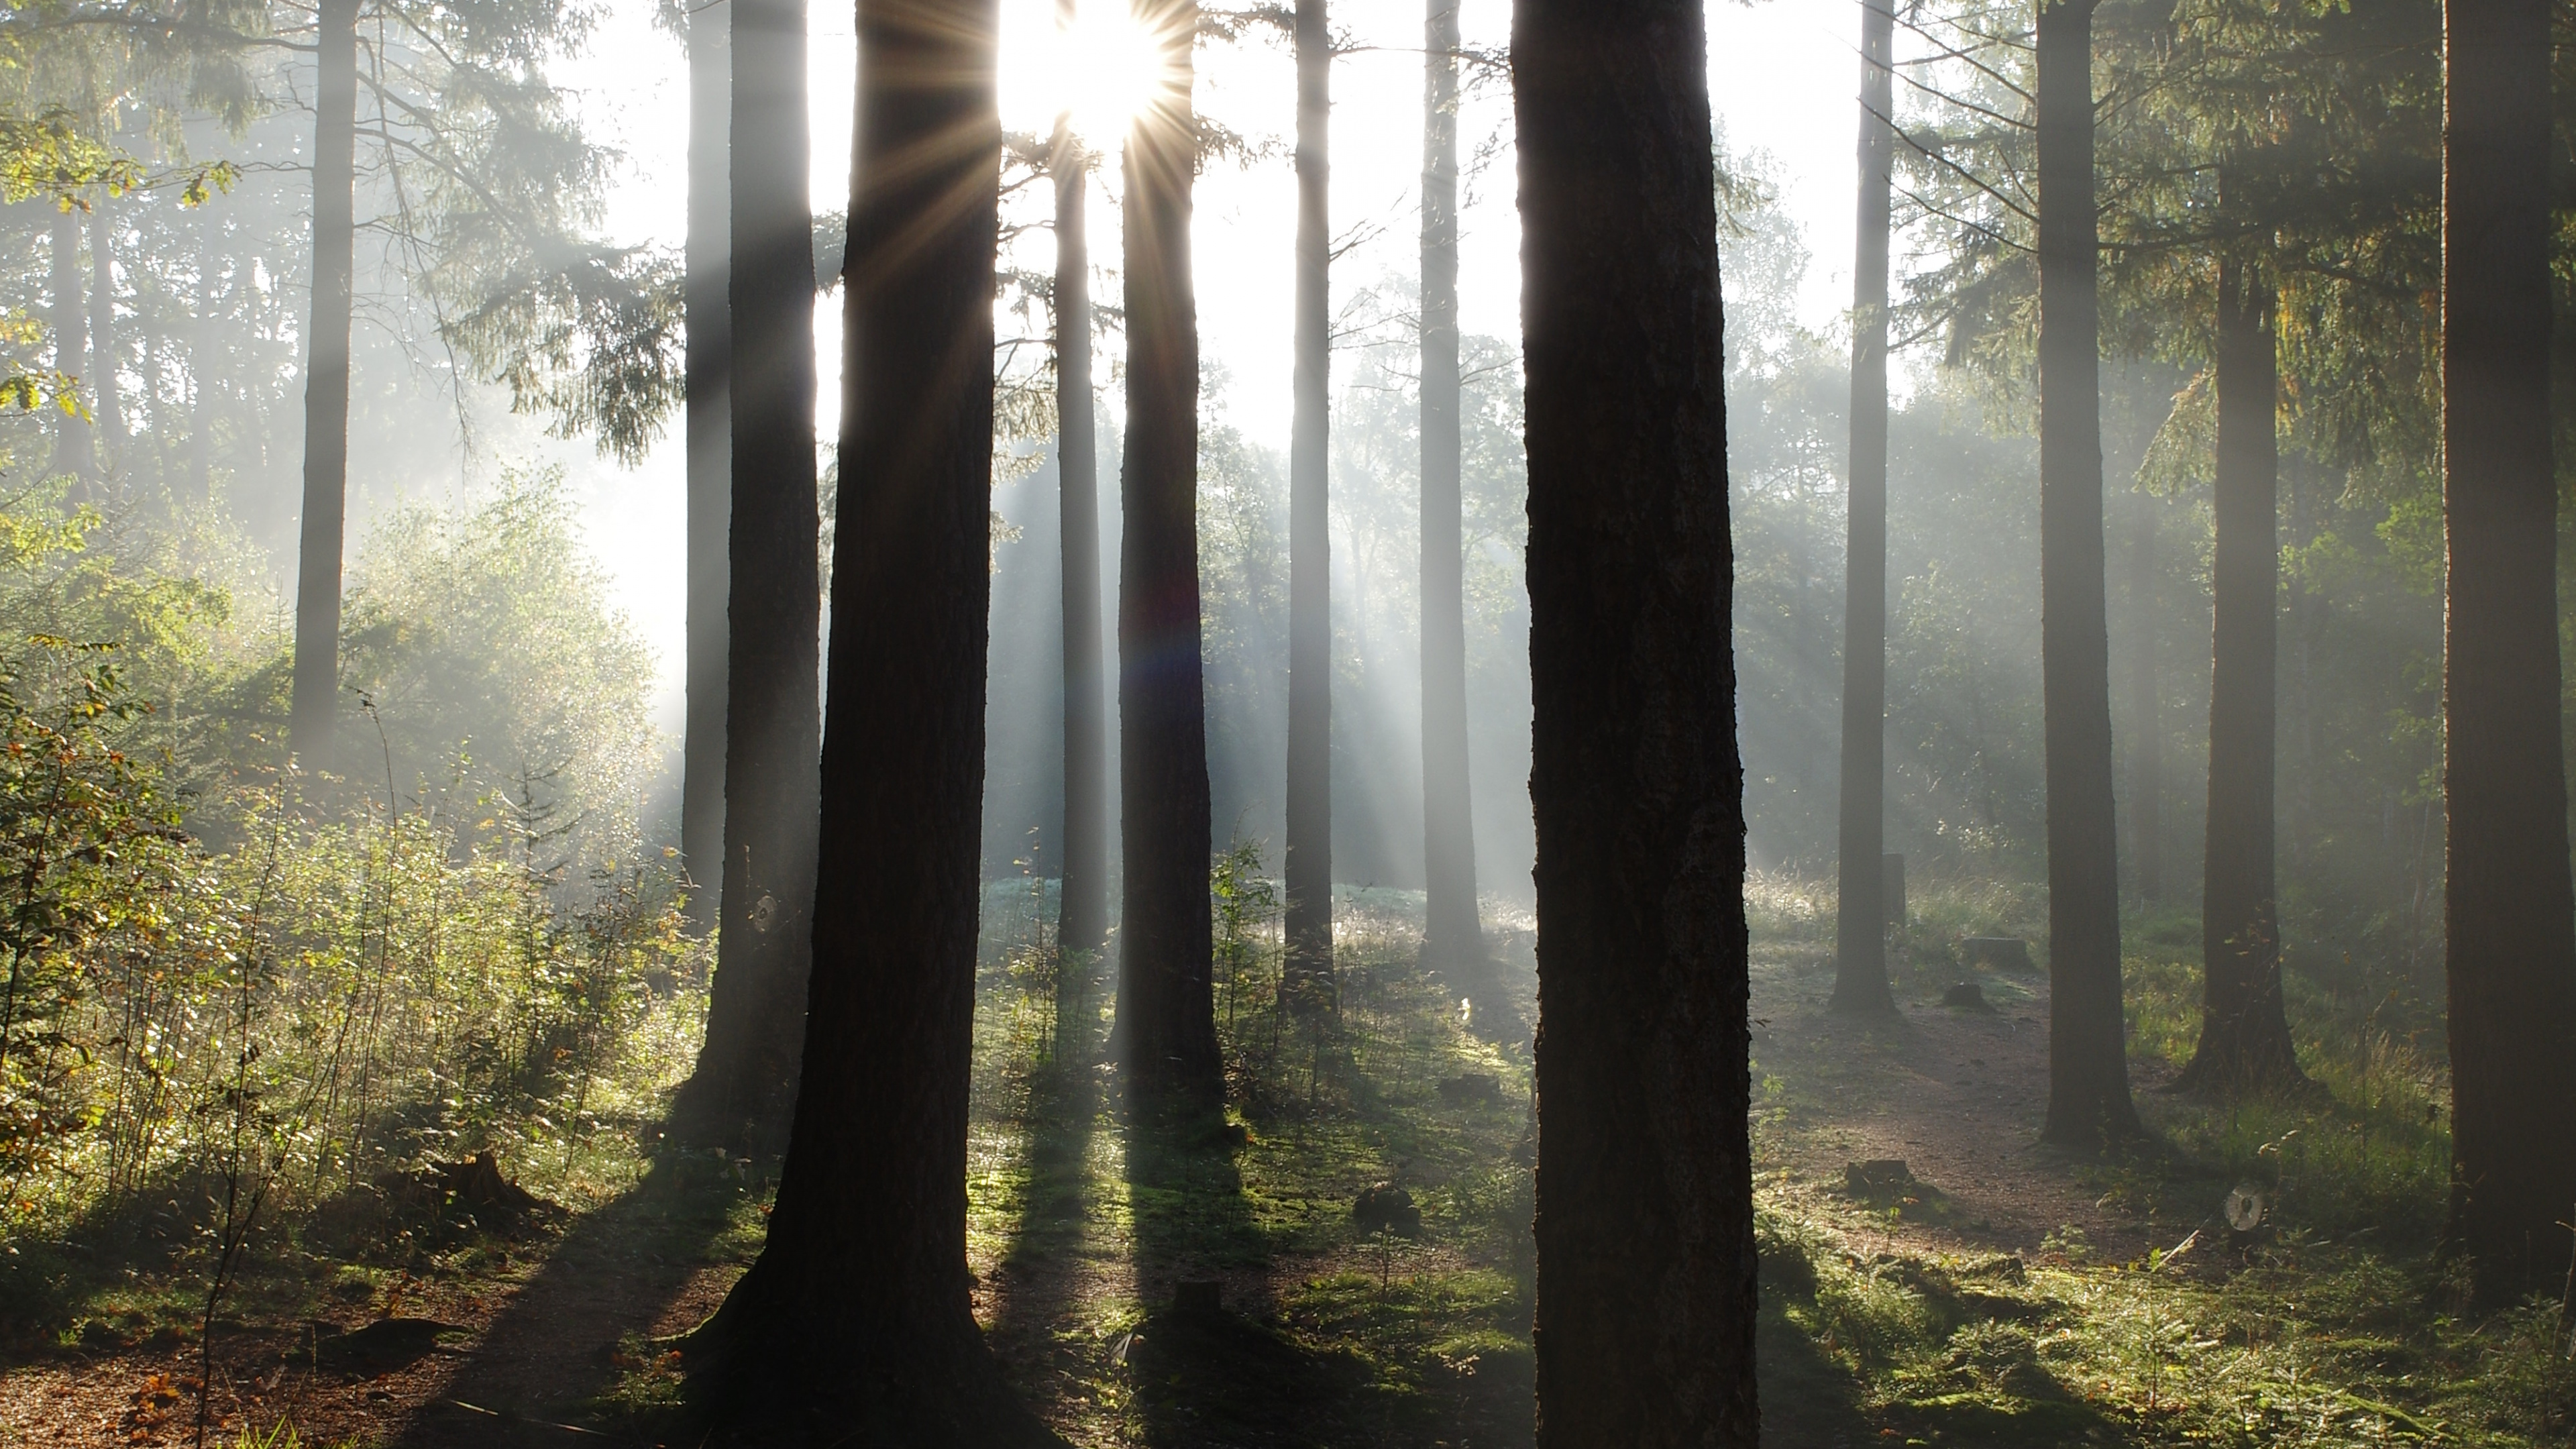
1989 1293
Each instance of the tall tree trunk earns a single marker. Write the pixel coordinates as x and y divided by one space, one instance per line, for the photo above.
1166 1010
1860 912
1644 1327
746 1072
106 405
1453 936
71 340
2146 746
1306 975
316 703
2512 921
709 420
2088 1069
201 373
2244 1030
1082 922
855 1325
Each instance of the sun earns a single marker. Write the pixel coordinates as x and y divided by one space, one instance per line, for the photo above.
1100 70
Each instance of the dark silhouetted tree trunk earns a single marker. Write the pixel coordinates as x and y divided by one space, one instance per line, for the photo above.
710 455
1166 1009
1082 922
106 406
746 1072
2146 746
315 705
2244 1030
71 339
855 1326
2512 921
1644 1227
2088 1069
1453 937
1306 977
1860 913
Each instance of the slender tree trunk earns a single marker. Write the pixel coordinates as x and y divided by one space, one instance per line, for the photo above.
201 375
71 341
709 419
316 701
106 404
2146 746
2512 921
1306 976
855 1325
1453 936
2244 1029
2088 1070
1860 913
1166 1009
1644 1329
746 1072
1082 923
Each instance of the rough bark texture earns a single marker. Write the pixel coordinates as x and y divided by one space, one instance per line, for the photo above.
1644 1229
710 456
70 325
2146 744
855 1325
746 1072
315 703
1453 937
1860 914
1306 975
2512 922
1166 1009
2244 1030
2088 1070
1083 904
106 407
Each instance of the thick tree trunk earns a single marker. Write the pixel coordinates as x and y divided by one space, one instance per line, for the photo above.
106 405
1860 913
2146 745
855 1325
710 453
746 1072
1082 922
2244 1029
71 340
1453 937
1644 1330
2088 1070
2512 922
1166 1011
1306 976
315 707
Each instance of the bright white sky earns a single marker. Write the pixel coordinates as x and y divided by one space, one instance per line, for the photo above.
1782 73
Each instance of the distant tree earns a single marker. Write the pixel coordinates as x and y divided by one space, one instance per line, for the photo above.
2088 1073
1166 1022
2146 749
1646 1291
1306 977
315 702
1082 922
2512 919
70 337
746 1071
708 30
106 405
855 1325
1860 915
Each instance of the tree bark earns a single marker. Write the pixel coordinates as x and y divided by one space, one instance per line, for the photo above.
2088 1073
71 341
746 1071
315 706
1166 1009
2146 748
855 1324
1306 975
710 447
1644 1228
1860 912
2512 921
1453 936
1082 922
2244 1028
106 405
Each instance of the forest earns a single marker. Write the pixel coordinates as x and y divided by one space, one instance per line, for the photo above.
953 726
